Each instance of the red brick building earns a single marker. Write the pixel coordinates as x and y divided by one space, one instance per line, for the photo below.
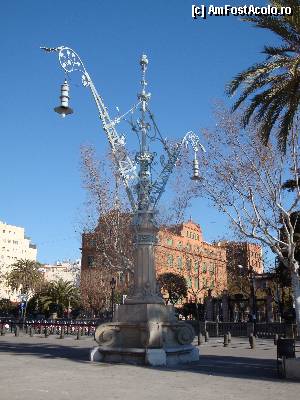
244 254
182 250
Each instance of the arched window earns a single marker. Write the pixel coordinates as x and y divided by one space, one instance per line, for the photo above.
169 241
170 260
179 262
188 264
188 282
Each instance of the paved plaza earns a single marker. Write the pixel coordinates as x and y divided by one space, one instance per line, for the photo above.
36 368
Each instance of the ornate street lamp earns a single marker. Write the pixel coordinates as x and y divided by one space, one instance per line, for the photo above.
64 108
112 286
251 276
143 328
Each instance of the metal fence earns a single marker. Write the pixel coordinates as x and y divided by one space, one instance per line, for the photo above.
51 327
88 327
263 330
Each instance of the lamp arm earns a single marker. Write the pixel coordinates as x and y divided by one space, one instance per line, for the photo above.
70 62
174 154
126 167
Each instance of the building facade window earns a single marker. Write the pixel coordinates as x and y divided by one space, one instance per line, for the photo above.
170 260
179 263
196 267
196 283
169 241
91 261
189 282
188 264
204 268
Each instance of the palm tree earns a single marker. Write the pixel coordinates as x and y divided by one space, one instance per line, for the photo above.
25 275
273 86
59 295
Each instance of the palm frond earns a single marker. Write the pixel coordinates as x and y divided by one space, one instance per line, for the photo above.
286 122
275 51
254 86
273 86
257 71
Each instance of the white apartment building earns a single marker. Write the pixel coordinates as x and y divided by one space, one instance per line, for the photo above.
66 270
14 245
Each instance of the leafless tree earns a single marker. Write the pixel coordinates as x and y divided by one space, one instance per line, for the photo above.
109 218
108 221
95 290
244 179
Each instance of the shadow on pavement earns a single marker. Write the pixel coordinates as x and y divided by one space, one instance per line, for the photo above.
235 367
216 365
43 350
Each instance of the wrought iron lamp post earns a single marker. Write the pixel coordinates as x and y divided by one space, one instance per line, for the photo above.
143 323
251 276
23 307
112 286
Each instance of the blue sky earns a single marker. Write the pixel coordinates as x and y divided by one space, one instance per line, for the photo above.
190 63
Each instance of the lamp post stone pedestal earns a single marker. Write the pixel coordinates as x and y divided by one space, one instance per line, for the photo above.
144 330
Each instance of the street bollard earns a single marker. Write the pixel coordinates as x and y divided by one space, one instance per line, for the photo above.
226 341
62 333
200 339
252 341
31 331
2 330
46 332
17 330
276 339
229 337
78 334
206 336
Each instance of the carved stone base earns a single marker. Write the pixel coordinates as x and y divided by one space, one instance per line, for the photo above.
145 334
146 299
168 357
144 313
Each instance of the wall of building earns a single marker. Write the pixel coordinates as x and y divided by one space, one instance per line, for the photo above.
247 255
65 270
181 250
88 251
14 245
